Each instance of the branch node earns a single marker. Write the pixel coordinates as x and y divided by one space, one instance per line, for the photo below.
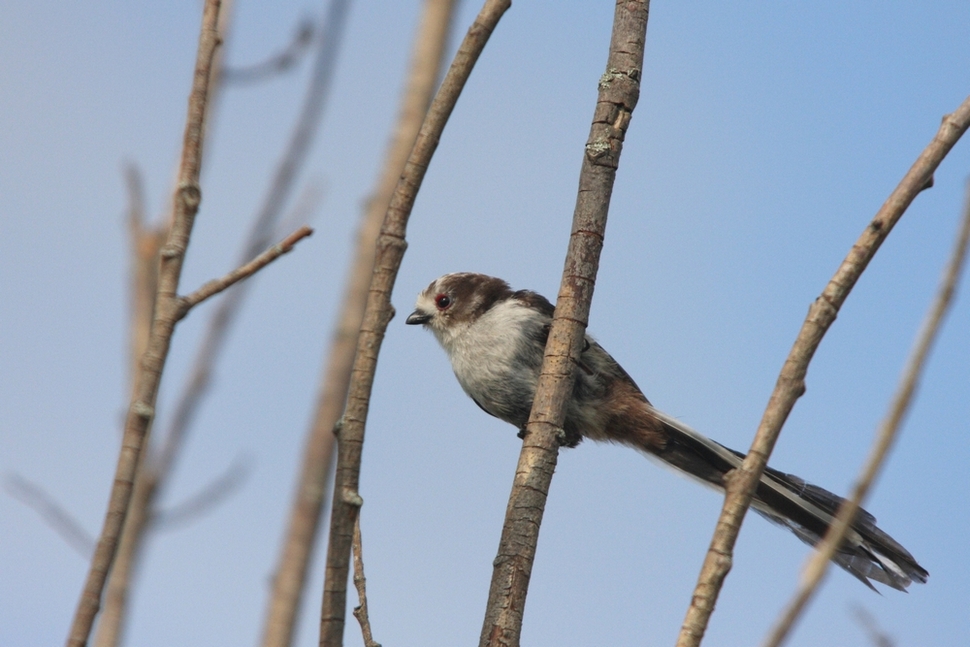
190 195
143 410
598 149
352 498
171 250
608 77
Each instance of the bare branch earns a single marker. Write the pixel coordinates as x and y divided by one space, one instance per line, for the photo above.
309 494
53 514
142 407
619 90
360 583
206 500
264 227
885 437
218 285
263 230
791 382
378 312
276 64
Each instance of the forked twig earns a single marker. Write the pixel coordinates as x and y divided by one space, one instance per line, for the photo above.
264 228
791 382
888 430
390 251
142 407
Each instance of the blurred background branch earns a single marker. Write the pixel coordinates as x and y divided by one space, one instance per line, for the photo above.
265 225
54 515
289 581
886 434
791 382
378 313
281 62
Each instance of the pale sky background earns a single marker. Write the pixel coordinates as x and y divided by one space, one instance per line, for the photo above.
767 135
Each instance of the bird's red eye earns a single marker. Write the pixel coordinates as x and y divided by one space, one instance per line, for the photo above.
443 301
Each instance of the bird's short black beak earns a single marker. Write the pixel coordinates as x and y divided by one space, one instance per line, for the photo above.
417 317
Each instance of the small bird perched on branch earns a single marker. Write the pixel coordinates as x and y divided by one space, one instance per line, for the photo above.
495 338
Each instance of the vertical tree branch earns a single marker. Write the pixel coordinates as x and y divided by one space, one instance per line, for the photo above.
304 521
619 90
884 438
263 229
142 407
152 479
378 312
791 382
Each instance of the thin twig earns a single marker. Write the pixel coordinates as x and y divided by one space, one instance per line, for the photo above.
216 286
276 64
53 514
885 437
205 500
360 583
791 382
309 493
142 407
619 90
877 636
390 250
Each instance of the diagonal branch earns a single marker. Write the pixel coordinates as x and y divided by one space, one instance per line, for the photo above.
791 382
619 90
877 636
216 286
277 63
390 250
142 407
307 506
63 523
885 437
205 500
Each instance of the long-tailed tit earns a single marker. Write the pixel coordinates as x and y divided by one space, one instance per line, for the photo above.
495 338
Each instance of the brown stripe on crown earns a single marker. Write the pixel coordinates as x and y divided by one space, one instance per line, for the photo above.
473 294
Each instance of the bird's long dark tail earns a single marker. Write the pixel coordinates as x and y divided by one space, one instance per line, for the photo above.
807 510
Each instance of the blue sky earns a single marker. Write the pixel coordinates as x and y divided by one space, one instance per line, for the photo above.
766 137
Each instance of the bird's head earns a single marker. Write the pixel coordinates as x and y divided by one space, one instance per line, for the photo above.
453 302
